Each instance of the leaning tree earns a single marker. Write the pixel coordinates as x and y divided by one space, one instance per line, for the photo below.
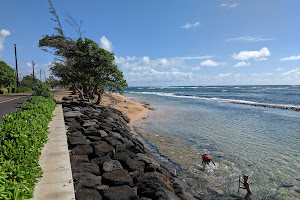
82 63
95 70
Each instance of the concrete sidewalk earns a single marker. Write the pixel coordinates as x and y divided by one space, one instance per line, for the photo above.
57 181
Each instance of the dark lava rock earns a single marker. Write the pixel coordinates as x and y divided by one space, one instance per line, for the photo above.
75 159
118 177
135 165
151 183
86 167
91 131
86 180
113 141
123 192
103 150
74 141
73 114
74 124
87 194
100 160
94 138
111 165
90 123
82 150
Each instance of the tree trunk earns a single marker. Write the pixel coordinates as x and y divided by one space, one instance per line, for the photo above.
73 89
99 93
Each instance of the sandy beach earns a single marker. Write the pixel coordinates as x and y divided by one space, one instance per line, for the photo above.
134 110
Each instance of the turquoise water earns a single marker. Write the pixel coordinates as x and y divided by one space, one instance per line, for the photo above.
246 129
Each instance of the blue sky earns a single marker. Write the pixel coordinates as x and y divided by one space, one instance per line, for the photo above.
163 43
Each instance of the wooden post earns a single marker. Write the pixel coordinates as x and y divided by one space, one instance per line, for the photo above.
17 74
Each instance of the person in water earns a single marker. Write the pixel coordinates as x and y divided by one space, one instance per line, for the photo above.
246 184
206 159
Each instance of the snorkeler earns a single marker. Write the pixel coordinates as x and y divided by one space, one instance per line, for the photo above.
246 184
206 159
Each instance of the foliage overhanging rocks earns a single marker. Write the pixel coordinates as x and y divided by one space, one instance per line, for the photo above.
22 135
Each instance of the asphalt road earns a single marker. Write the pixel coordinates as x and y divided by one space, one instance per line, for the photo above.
10 103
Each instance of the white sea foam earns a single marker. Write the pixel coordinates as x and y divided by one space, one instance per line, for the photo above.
250 103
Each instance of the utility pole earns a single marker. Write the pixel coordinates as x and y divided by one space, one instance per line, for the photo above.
41 75
17 74
33 70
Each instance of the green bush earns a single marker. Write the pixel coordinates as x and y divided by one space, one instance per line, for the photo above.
3 90
22 135
42 89
22 89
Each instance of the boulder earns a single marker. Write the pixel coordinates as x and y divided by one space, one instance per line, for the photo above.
86 180
87 194
112 141
123 192
82 150
91 131
75 159
147 159
100 160
89 123
103 133
115 134
118 177
86 167
73 114
102 150
111 165
152 182
74 141
135 165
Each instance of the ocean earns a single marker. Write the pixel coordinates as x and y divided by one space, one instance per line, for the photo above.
253 130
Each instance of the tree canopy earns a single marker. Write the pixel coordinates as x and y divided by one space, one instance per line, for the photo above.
29 81
7 75
82 63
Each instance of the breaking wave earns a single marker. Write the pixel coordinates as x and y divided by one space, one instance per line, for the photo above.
234 101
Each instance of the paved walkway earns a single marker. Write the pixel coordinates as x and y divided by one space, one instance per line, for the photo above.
57 181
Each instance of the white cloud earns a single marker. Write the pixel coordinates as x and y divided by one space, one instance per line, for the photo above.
290 58
3 34
247 38
261 74
188 25
29 64
211 63
229 5
224 75
119 60
294 72
242 64
246 55
106 44
153 76
279 69
193 58
261 59
196 68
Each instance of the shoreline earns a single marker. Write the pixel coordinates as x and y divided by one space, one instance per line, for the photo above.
133 109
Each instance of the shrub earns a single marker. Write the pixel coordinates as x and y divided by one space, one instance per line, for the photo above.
22 135
42 89
23 89
3 90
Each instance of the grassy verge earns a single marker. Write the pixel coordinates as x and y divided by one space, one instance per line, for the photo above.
22 135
